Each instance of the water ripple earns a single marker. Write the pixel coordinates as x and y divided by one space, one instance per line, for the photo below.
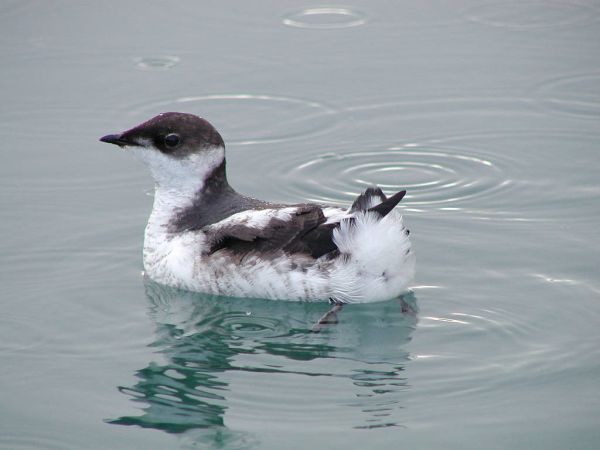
432 174
18 333
245 119
227 360
576 95
162 62
325 17
246 325
506 344
484 170
532 15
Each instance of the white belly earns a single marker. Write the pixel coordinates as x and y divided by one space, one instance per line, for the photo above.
375 263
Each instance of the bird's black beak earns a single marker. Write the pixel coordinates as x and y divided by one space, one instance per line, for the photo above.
117 139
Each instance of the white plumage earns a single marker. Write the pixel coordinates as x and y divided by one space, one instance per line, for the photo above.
203 236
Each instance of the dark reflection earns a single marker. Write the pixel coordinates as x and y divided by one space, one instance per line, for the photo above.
201 340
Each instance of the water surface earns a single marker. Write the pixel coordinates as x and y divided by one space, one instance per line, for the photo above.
486 112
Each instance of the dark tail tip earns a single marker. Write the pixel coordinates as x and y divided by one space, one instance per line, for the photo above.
364 200
386 206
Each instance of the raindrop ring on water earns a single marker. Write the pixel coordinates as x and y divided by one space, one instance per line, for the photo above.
330 17
156 62
574 94
241 118
240 324
532 15
433 174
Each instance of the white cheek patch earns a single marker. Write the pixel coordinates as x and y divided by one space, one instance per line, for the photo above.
176 173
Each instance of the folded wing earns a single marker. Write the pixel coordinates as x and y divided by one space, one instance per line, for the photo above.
294 229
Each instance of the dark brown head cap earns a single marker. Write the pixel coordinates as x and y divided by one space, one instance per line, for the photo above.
177 134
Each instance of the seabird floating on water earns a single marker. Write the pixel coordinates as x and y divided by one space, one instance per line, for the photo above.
204 236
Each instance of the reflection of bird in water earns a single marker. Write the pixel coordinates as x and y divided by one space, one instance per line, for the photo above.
331 316
204 236
228 362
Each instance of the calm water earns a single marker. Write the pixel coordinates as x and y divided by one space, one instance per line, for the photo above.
487 112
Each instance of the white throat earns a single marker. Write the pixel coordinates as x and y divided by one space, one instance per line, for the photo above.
178 181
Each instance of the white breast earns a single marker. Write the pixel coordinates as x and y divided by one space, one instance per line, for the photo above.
376 263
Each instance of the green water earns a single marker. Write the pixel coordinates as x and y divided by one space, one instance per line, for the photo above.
486 112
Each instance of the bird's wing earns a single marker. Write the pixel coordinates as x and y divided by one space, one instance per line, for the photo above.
294 229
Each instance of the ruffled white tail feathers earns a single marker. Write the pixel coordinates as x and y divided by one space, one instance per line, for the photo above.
378 262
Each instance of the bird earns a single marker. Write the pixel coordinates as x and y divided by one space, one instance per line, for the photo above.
204 236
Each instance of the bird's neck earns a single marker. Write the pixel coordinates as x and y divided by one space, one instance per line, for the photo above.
178 195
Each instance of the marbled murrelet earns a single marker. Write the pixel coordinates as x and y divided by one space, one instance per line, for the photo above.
204 236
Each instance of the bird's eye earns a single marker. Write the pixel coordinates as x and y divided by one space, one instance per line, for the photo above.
172 140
